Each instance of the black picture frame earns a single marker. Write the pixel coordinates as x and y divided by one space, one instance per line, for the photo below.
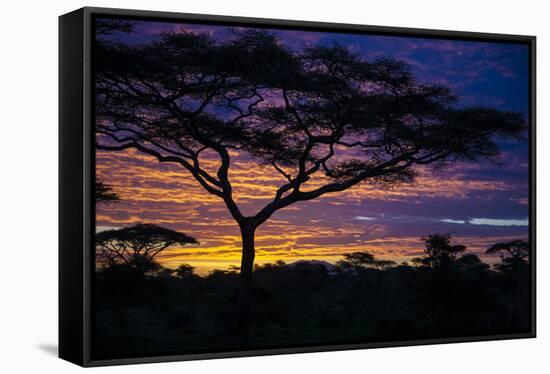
76 177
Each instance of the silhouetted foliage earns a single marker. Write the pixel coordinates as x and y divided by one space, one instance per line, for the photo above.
104 192
137 246
185 270
514 255
306 303
109 26
364 260
472 262
439 252
268 266
324 118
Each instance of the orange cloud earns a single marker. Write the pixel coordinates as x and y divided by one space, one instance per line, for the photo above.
166 194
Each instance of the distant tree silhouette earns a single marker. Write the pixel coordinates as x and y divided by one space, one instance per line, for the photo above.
324 118
104 192
384 264
513 254
364 260
219 273
185 270
279 264
440 252
470 261
232 269
137 246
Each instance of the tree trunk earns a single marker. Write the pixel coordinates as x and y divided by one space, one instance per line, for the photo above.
246 290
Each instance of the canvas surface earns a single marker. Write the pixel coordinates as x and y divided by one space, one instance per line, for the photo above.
271 188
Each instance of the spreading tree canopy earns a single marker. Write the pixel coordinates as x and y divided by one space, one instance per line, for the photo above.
137 246
364 260
513 254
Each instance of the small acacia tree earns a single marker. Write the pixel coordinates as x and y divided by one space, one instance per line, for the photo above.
137 246
323 118
513 254
364 260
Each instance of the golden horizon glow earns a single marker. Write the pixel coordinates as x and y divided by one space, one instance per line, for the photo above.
321 229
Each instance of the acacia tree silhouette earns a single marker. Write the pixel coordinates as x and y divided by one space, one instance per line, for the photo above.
322 114
137 246
364 260
513 254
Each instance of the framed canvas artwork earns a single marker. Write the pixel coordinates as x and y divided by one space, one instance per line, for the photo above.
234 186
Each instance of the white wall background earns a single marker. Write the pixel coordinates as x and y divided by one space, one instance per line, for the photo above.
28 184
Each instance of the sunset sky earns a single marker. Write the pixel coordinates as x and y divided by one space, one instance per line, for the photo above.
480 203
